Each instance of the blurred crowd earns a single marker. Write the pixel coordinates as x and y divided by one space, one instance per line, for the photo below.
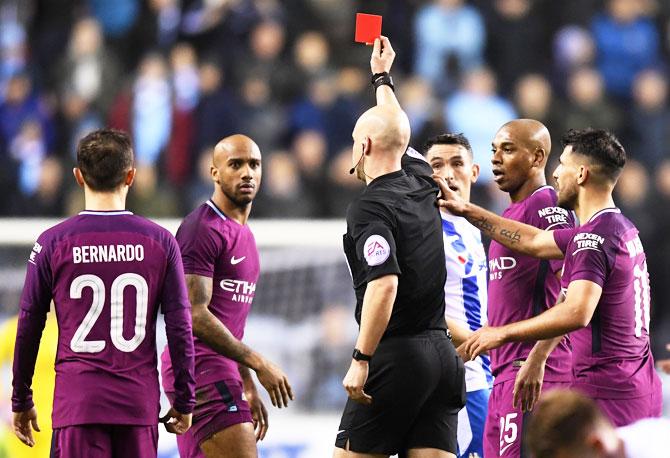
181 74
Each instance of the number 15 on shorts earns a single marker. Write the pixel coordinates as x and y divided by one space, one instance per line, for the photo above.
508 431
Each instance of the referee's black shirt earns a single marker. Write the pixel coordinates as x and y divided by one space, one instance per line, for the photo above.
394 227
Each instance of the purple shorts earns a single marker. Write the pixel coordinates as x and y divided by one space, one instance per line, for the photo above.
503 432
217 406
622 412
105 441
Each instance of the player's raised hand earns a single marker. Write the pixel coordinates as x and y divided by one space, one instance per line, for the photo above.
482 340
259 413
176 422
23 424
382 55
275 382
528 384
448 198
355 380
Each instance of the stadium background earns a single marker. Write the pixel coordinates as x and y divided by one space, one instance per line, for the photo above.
182 74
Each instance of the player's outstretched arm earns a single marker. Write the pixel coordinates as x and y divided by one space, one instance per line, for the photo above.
215 334
381 61
259 413
516 236
575 312
378 301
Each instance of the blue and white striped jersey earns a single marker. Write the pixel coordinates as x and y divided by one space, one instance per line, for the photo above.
465 289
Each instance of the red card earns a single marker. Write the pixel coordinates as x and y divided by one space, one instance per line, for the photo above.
368 27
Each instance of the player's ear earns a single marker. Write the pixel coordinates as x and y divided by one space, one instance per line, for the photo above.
79 178
130 177
475 173
214 173
583 175
540 157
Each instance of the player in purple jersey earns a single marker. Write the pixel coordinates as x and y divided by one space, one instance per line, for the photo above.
605 281
222 267
521 287
107 272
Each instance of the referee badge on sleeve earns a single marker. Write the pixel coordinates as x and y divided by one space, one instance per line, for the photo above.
376 250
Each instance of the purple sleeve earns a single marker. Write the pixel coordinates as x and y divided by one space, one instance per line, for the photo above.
562 238
35 301
182 354
174 294
591 264
199 250
555 219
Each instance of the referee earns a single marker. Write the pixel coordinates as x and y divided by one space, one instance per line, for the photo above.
406 382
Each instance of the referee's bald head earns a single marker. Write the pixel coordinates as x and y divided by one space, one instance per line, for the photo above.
387 128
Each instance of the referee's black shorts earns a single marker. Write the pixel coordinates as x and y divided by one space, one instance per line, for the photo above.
417 384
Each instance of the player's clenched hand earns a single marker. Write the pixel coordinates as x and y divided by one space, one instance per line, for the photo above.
24 423
528 384
382 55
449 199
482 340
275 382
176 422
355 380
259 413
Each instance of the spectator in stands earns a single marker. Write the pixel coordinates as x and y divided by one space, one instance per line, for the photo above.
77 120
423 109
48 199
186 84
516 41
310 150
22 104
573 49
649 137
261 116
264 58
28 148
534 99
342 187
442 57
311 54
588 104
88 70
478 95
13 48
627 42
150 197
658 255
217 111
633 193
283 195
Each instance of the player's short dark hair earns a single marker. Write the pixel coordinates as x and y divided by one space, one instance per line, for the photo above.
104 157
601 147
562 420
448 139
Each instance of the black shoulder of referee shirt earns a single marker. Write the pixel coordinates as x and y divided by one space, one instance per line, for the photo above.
394 228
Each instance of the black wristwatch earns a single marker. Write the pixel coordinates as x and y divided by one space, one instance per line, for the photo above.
358 356
382 79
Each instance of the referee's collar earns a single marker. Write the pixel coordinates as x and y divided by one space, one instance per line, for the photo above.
388 176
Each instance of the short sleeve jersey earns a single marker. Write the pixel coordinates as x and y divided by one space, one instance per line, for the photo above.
107 273
394 228
521 287
611 355
218 247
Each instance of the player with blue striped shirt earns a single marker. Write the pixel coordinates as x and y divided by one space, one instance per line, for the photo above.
450 156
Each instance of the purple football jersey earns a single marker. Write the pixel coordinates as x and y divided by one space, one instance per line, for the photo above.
218 247
611 356
107 273
521 287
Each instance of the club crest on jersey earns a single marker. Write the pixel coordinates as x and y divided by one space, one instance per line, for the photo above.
376 250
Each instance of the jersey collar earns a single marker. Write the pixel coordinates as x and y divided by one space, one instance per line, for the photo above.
106 212
602 212
387 177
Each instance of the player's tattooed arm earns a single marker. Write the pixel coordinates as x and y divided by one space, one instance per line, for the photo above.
516 236
214 333
208 328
